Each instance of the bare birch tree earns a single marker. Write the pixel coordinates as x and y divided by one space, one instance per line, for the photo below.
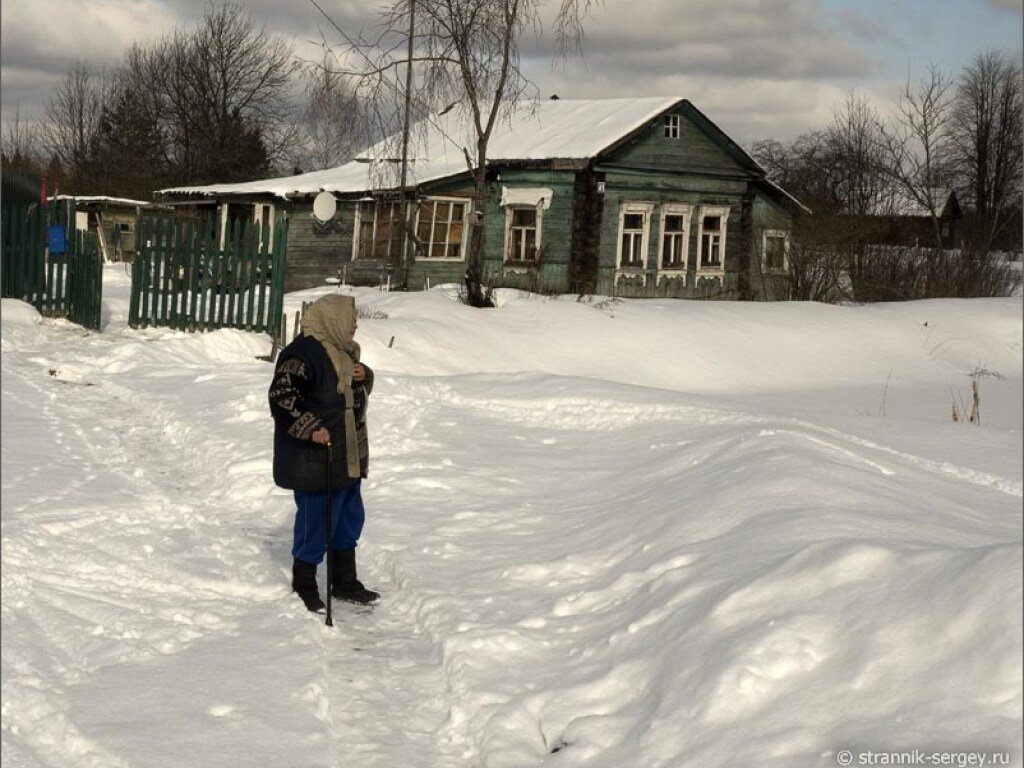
467 53
916 145
222 93
334 124
855 140
19 145
986 130
71 121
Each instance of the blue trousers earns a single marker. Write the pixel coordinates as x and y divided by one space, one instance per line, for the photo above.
347 518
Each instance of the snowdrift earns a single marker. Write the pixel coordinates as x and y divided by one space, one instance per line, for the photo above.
609 533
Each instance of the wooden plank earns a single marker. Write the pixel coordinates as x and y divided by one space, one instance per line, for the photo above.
252 257
133 300
144 253
232 275
206 227
157 262
277 276
166 267
216 295
176 256
62 285
263 277
252 275
190 280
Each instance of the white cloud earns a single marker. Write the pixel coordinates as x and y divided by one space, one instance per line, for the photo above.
757 67
47 35
759 38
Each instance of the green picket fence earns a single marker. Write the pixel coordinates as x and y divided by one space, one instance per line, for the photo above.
186 276
59 285
85 281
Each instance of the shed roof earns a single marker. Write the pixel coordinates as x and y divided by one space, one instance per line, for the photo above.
103 199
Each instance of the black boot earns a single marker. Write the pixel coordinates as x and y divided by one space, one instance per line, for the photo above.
345 585
304 582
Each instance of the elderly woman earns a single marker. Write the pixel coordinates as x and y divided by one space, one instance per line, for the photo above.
319 397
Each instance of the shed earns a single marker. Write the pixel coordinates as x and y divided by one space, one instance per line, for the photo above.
111 218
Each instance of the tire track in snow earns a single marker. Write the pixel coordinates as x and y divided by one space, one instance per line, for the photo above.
599 412
964 474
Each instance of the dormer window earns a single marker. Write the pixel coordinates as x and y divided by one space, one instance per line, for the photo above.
671 126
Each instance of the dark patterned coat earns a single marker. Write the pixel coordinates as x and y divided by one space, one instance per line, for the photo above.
304 397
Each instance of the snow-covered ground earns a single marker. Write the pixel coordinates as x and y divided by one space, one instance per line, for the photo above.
626 534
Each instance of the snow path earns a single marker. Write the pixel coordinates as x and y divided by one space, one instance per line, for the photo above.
78 571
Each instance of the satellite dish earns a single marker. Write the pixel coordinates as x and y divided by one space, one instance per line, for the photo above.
324 207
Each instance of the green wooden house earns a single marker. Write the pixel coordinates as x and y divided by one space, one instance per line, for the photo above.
630 197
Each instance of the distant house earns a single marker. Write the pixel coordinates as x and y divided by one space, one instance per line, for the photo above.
902 221
112 219
642 197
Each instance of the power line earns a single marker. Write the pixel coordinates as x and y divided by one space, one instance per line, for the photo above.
395 88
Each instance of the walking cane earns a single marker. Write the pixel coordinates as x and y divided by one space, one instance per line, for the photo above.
330 548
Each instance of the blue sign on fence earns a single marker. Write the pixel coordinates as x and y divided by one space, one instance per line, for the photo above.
56 239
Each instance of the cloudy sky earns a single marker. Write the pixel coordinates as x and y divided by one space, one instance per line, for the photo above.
759 68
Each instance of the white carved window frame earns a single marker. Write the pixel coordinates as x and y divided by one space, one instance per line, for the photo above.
675 209
629 208
784 236
722 211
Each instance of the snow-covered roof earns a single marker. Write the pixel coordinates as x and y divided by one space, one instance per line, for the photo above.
101 199
559 129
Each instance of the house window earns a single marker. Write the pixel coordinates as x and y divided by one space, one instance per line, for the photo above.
633 221
711 240
522 237
675 236
671 126
776 250
381 231
633 237
440 227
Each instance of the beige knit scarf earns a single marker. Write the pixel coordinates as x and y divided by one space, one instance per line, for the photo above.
331 320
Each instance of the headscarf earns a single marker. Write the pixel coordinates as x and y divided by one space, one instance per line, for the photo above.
331 320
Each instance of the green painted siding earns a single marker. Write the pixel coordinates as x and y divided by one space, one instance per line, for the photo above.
768 285
622 188
692 150
317 252
555 231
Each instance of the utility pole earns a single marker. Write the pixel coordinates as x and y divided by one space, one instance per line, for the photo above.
409 208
